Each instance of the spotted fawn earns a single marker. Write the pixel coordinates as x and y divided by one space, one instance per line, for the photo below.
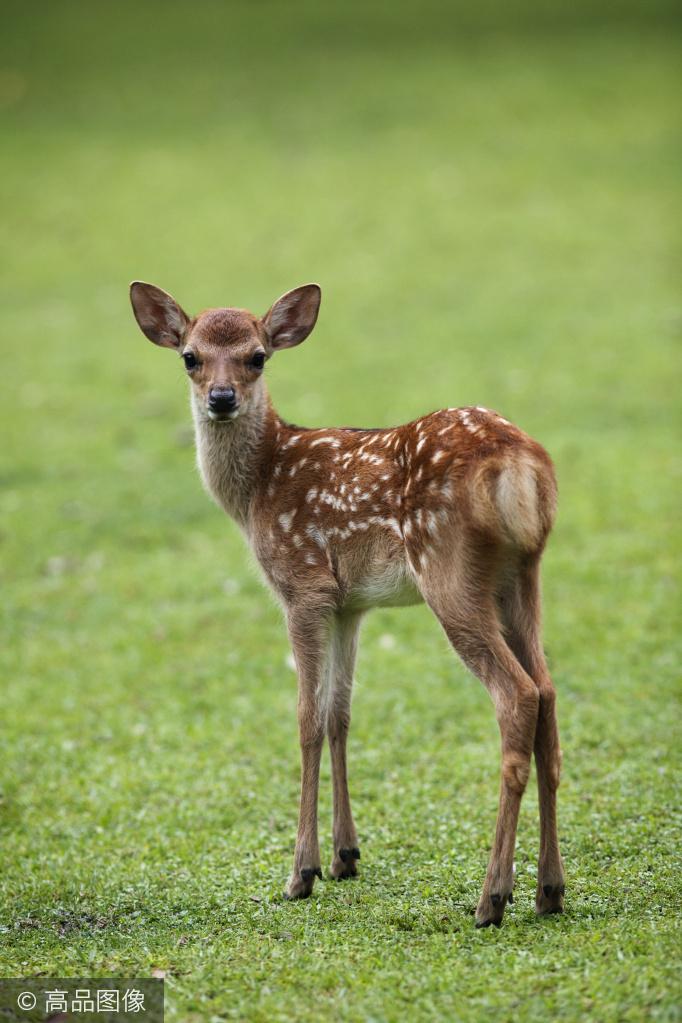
452 509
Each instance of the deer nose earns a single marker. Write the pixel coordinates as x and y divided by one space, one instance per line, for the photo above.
222 399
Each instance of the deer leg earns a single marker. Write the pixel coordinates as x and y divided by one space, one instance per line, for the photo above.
309 634
344 647
473 628
520 606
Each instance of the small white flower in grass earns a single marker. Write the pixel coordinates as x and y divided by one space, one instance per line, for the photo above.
387 641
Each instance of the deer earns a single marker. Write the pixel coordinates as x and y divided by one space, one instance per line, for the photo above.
452 510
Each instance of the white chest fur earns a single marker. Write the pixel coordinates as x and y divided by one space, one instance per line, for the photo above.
225 456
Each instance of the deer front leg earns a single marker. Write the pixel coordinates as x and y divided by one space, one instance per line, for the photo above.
344 647
309 634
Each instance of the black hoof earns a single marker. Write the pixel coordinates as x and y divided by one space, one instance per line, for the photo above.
487 923
346 855
308 873
550 899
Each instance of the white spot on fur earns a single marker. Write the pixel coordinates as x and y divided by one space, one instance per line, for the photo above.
315 534
389 521
333 441
437 457
286 519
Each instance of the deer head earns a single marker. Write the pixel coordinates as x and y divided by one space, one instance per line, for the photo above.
224 351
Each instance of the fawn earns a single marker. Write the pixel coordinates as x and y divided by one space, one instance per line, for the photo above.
453 509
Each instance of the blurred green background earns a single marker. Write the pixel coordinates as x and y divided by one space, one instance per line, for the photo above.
489 196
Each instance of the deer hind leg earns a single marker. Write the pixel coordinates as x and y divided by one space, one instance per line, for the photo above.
519 602
468 616
309 632
344 648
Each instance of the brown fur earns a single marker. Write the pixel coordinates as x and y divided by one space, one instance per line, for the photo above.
453 509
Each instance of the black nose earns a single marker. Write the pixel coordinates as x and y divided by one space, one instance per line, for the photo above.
222 399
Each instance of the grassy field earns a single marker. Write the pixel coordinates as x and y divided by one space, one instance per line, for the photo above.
490 202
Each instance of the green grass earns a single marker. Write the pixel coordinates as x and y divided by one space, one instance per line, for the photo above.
489 199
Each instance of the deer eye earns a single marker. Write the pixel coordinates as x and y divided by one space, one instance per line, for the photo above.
257 361
190 360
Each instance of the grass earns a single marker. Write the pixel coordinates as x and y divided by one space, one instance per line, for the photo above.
489 200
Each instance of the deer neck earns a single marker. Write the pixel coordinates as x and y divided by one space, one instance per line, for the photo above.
231 456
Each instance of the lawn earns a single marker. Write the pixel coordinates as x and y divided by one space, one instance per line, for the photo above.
489 197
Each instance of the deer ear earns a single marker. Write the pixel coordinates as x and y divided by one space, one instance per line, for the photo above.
293 316
159 316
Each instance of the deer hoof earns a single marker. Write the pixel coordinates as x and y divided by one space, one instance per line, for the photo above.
301 884
549 899
343 865
310 873
490 909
